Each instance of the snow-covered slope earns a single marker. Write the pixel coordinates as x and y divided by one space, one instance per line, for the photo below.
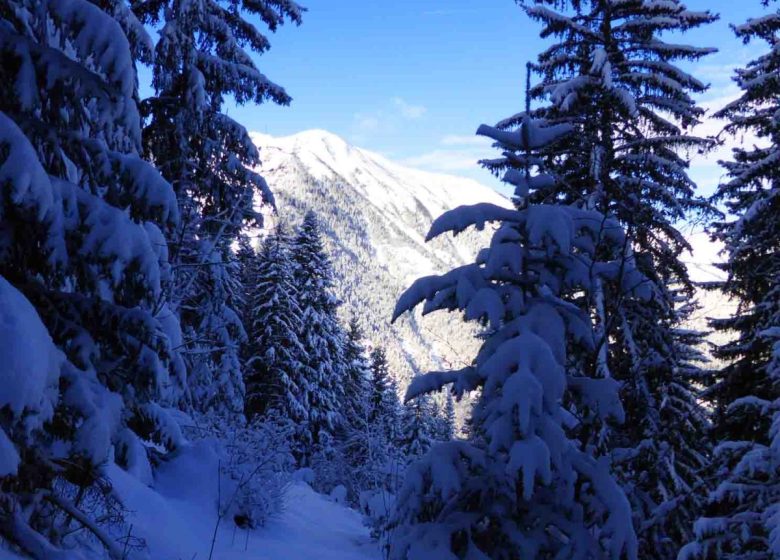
176 519
375 214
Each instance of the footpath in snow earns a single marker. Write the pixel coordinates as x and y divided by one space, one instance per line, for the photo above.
311 527
176 519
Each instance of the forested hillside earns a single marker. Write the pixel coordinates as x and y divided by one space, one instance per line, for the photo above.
375 215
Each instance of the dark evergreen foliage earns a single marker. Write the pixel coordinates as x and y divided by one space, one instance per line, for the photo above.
273 355
385 405
324 367
202 56
524 486
742 519
612 76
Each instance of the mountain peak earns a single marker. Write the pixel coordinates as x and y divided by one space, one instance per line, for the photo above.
326 156
319 135
378 214
309 139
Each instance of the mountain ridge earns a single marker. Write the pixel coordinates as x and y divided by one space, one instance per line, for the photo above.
375 215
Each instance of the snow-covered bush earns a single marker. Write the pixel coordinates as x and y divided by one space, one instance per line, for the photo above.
258 466
99 502
364 461
377 507
255 464
328 465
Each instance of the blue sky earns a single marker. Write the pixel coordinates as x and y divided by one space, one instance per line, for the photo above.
412 79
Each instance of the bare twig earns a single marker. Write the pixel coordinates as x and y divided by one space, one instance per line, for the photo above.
219 509
79 516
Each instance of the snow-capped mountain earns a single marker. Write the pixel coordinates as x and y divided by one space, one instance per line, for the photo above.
375 214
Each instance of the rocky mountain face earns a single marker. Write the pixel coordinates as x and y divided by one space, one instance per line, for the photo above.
375 215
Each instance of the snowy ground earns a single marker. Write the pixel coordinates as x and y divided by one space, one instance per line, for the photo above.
177 519
310 527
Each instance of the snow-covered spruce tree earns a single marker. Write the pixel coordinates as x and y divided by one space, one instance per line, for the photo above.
201 57
524 487
273 355
324 367
363 450
611 75
213 343
87 339
357 379
356 405
385 407
387 458
419 427
445 429
741 519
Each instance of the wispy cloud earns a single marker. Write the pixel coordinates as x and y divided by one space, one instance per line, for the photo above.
386 119
443 160
366 123
718 72
465 140
407 110
455 153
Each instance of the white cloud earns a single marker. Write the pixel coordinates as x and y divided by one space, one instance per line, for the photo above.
384 120
447 161
455 153
366 123
705 170
704 257
465 140
407 110
718 71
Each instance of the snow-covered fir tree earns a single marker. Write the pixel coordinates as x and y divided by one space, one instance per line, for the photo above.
324 367
88 341
273 355
385 406
362 447
445 427
612 76
741 520
201 57
420 427
213 343
357 378
524 486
